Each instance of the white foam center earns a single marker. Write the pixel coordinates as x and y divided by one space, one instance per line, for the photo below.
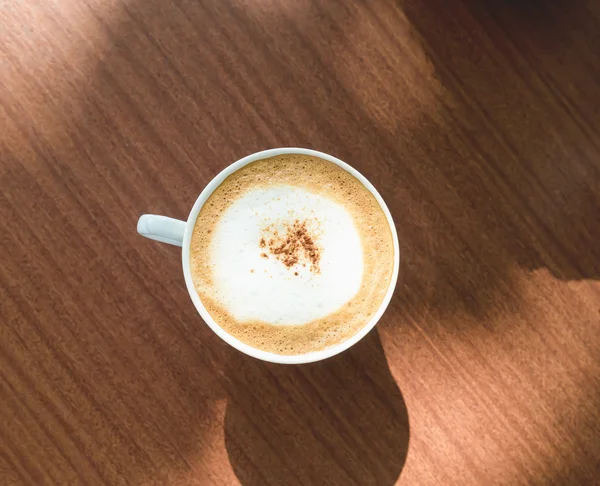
253 287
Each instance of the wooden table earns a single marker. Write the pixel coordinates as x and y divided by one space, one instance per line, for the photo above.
478 121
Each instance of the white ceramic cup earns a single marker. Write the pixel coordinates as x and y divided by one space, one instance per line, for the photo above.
175 232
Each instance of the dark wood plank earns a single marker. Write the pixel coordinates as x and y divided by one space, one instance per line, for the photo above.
479 123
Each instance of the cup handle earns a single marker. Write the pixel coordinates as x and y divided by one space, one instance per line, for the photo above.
161 228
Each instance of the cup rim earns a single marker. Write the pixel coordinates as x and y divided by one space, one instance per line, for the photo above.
236 343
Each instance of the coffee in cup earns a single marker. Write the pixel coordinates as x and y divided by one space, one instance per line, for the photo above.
291 254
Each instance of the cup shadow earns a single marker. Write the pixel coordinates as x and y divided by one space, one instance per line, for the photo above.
339 421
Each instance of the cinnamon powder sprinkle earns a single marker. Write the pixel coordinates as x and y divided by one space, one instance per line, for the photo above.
296 245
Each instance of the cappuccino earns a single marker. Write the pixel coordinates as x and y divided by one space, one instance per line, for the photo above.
291 254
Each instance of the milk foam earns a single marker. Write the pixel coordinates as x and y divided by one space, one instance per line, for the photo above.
253 285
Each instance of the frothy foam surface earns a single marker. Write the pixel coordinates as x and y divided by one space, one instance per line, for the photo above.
253 284
291 254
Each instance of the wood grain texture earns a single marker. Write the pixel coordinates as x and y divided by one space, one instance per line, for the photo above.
478 121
